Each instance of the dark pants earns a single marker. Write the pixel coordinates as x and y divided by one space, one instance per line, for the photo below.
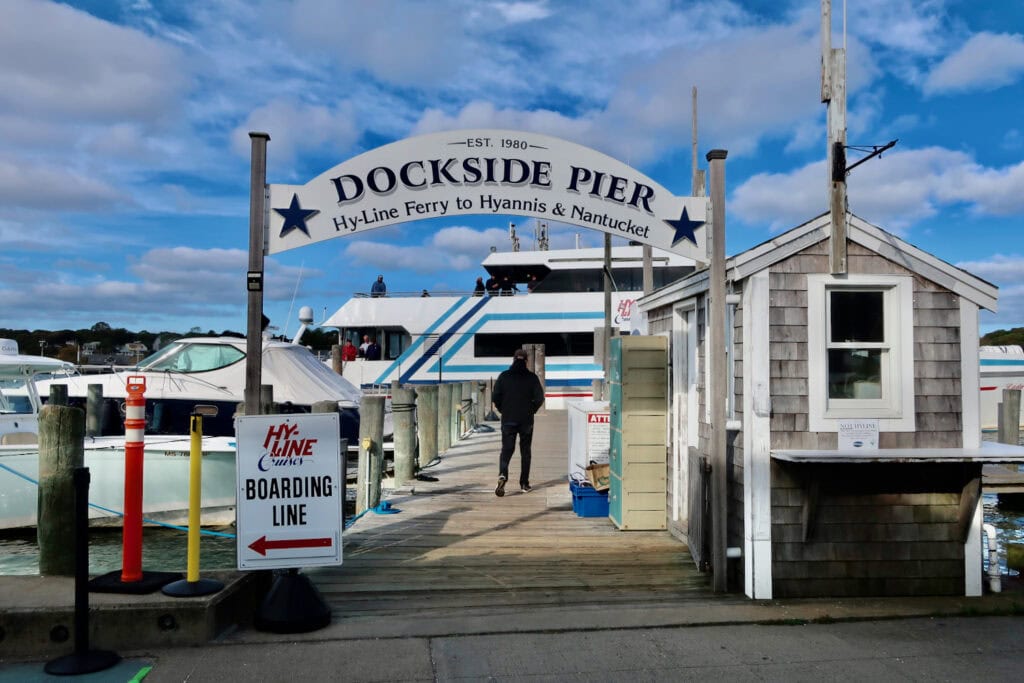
508 447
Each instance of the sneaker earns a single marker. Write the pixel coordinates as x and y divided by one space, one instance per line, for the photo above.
526 488
500 490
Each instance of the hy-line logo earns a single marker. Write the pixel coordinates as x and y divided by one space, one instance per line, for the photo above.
283 447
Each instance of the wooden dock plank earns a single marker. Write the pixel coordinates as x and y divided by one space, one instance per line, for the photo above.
455 545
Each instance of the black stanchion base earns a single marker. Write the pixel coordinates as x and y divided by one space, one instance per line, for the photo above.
81 663
150 582
491 417
293 605
192 589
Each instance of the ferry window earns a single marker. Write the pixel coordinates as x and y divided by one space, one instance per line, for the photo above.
555 343
396 342
860 351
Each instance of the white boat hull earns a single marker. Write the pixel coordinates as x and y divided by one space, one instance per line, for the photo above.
1002 367
165 482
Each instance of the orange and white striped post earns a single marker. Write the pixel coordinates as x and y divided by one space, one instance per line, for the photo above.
134 445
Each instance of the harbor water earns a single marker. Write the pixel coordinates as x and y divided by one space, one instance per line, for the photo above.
163 549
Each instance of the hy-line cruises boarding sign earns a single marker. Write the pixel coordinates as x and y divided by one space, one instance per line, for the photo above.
289 505
485 172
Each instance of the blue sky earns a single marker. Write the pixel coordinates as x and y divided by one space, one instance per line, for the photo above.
124 149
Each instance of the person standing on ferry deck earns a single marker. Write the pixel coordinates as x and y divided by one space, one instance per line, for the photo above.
349 351
378 288
517 395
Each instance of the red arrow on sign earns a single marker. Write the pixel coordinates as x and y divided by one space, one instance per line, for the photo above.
262 545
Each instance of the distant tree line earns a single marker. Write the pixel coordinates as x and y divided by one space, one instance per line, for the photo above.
1004 337
66 344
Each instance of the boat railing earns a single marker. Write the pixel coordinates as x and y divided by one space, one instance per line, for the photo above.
95 369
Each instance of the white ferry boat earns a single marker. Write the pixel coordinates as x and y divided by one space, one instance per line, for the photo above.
558 301
1002 367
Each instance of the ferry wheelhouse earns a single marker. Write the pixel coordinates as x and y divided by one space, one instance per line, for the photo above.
558 301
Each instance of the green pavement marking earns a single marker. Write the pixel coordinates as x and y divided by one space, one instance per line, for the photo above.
142 674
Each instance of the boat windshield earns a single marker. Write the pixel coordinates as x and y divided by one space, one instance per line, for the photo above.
192 358
14 397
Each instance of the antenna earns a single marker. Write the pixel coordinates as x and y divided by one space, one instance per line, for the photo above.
294 294
512 236
541 231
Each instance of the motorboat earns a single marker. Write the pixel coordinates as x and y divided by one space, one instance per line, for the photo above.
208 371
1001 367
19 398
551 297
211 371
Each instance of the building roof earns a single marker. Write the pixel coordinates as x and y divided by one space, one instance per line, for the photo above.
872 237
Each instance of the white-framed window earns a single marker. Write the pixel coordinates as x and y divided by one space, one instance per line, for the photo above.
860 350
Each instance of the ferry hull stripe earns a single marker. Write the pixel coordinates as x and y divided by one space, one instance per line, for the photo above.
397 363
442 339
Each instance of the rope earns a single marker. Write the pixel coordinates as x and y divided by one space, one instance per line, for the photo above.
121 514
381 508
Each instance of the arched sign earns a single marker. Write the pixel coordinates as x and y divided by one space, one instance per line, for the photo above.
485 172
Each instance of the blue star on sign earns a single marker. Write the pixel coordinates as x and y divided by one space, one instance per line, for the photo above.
684 228
295 217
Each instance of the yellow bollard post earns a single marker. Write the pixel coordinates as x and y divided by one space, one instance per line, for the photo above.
192 585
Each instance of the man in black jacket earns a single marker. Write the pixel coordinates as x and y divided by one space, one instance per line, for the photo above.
517 396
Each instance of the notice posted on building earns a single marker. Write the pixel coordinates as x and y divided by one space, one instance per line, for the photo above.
289 500
598 437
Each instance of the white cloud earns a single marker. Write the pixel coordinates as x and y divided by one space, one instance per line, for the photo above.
406 43
32 185
1006 272
1000 269
908 26
58 63
895 190
169 284
480 114
295 129
985 62
519 12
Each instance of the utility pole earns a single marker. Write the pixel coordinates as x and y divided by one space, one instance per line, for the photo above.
254 277
833 93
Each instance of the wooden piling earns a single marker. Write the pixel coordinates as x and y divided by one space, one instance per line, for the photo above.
94 410
456 409
468 421
444 417
371 452
540 364
336 363
1009 417
597 389
58 395
61 451
266 399
426 422
403 411
480 403
327 406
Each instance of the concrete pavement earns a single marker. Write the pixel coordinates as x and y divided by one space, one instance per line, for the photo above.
917 649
